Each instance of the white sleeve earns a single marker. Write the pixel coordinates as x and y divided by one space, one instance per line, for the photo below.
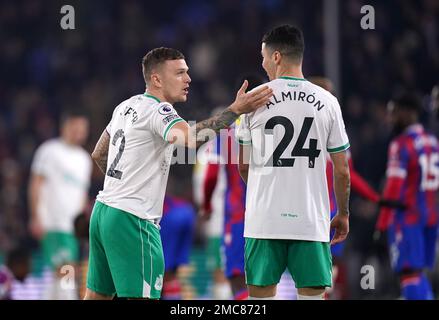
41 162
338 140
108 127
242 132
163 119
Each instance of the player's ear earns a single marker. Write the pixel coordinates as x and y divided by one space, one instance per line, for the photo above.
156 80
277 56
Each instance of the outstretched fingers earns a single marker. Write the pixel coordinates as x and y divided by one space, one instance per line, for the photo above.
261 96
257 93
243 87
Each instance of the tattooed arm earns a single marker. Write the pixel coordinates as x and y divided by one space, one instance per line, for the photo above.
203 131
194 136
100 153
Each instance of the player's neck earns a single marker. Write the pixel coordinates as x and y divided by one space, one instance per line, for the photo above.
67 141
157 94
289 71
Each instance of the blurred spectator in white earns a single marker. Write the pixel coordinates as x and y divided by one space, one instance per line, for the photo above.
58 190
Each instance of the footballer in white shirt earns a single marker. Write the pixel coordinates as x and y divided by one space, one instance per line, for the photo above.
283 160
58 193
134 152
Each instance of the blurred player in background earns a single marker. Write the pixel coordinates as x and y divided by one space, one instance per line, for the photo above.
58 192
412 179
226 151
16 268
213 223
138 144
287 222
234 208
176 231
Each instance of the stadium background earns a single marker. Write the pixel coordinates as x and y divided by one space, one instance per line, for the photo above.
45 69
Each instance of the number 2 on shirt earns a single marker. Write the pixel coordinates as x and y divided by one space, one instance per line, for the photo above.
112 172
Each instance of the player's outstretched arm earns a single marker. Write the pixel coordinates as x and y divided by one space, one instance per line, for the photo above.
245 102
342 191
361 187
100 153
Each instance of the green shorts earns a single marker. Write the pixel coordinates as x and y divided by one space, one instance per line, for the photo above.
214 253
59 248
309 262
126 255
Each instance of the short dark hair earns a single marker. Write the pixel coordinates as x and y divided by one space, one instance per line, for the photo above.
407 101
70 113
157 56
286 39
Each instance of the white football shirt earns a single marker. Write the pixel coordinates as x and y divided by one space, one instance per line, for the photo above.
287 194
66 170
139 156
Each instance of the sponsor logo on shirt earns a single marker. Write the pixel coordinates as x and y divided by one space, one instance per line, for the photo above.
169 118
166 109
289 215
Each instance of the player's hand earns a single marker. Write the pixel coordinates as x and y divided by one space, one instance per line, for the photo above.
341 225
246 102
36 229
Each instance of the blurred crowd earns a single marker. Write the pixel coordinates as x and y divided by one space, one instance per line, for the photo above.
98 64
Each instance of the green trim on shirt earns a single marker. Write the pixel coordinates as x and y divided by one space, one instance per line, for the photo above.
152 97
339 149
292 78
170 126
244 142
